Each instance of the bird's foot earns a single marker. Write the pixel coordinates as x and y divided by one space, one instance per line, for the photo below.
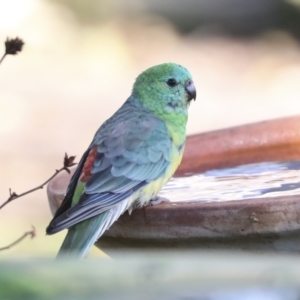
157 200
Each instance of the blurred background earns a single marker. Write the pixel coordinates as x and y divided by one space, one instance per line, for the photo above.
80 60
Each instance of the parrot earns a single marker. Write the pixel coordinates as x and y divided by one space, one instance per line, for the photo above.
132 155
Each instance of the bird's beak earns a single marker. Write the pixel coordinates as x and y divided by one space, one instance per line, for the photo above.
191 90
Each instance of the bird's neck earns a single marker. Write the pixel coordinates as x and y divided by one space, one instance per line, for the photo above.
174 119
176 129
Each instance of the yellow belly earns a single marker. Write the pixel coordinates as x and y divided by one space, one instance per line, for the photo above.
148 192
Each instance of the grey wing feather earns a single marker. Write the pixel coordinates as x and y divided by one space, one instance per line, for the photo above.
131 154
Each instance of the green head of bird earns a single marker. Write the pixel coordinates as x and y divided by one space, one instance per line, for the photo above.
165 89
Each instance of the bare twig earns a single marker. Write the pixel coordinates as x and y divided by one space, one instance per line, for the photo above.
68 162
2 58
31 233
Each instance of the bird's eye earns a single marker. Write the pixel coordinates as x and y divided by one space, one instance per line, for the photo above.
172 82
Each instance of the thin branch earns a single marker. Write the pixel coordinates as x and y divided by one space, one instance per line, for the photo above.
2 58
68 162
31 233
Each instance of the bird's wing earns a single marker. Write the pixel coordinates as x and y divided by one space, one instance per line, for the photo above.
124 157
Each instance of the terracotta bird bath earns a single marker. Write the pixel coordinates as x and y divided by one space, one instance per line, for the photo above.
218 201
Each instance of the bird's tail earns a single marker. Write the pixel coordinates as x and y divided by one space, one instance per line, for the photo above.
82 237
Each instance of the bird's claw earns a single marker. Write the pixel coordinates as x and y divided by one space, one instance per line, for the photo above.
157 200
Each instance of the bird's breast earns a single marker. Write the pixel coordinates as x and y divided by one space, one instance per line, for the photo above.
148 192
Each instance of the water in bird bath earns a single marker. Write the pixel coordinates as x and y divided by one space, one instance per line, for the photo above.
261 180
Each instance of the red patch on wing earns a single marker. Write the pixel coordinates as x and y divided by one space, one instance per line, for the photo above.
86 170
